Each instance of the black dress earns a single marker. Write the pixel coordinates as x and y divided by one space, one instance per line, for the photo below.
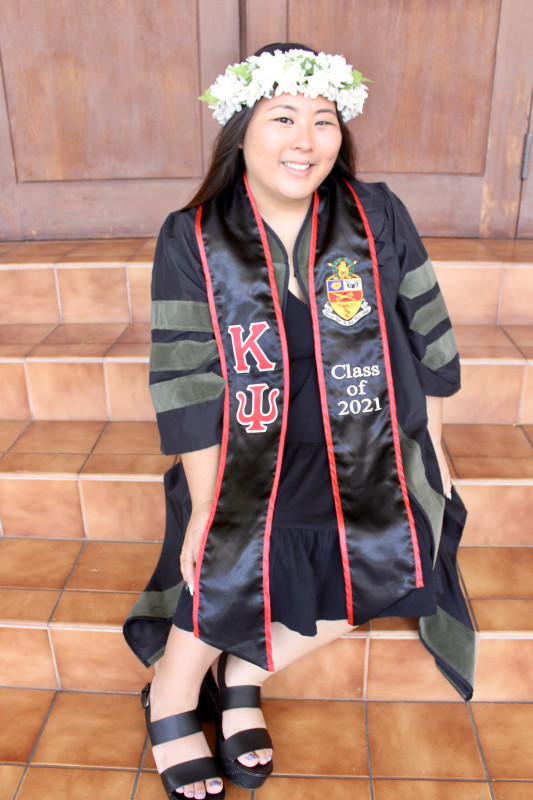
306 579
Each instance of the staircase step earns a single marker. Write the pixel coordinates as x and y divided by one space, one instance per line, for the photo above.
485 281
68 613
99 371
104 480
104 281
66 479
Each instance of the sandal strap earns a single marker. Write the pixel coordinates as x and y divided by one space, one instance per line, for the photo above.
167 729
239 697
199 769
175 727
246 742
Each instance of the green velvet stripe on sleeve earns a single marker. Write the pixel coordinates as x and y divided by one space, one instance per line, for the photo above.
181 356
429 316
186 391
181 315
441 351
418 281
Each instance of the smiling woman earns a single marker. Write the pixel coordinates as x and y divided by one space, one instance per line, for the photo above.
301 348
290 146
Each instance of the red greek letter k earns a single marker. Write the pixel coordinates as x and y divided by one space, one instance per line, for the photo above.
249 345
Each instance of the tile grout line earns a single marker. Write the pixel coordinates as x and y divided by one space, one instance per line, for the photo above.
139 769
368 754
36 743
481 753
58 293
62 591
468 600
54 660
523 393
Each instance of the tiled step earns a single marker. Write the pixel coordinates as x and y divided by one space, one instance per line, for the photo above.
66 479
69 747
99 371
68 608
485 281
86 371
103 480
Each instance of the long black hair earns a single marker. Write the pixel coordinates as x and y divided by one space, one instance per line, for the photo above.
227 163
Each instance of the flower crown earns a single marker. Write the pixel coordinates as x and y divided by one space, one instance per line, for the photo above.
293 72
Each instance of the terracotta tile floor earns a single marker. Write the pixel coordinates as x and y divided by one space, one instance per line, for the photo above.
93 745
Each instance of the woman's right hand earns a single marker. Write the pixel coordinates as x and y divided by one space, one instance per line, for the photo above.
192 542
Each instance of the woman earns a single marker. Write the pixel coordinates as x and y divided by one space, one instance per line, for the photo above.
301 350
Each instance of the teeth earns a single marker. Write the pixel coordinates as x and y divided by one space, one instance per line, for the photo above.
292 165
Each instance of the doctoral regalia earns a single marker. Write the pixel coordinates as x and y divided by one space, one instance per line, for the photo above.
219 373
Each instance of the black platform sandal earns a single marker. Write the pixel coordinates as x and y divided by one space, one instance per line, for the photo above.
177 727
227 751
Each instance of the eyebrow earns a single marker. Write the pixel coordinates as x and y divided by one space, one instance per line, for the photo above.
294 108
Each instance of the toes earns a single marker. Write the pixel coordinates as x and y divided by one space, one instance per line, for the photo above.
214 787
264 756
258 757
249 760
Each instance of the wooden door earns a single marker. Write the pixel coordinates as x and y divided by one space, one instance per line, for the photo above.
448 107
101 132
525 219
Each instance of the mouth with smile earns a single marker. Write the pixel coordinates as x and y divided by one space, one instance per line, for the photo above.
296 166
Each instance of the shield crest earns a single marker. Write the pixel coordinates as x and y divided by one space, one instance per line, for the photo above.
345 295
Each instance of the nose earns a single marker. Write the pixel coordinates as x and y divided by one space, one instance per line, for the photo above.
303 136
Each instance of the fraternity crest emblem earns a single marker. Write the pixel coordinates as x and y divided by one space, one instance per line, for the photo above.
346 304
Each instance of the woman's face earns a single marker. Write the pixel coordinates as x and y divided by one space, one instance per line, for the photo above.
290 146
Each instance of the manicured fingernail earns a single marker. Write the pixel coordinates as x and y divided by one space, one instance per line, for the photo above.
190 587
449 495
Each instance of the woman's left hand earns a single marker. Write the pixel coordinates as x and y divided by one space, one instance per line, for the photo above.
444 471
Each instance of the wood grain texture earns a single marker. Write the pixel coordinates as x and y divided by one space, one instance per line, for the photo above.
9 200
266 22
101 132
431 65
511 100
102 90
218 47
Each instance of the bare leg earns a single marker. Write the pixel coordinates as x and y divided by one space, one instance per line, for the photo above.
287 646
175 688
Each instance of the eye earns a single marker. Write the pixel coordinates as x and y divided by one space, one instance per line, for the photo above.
324 122
284 120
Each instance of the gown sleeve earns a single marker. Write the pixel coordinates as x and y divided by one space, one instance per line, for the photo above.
186 385
421 307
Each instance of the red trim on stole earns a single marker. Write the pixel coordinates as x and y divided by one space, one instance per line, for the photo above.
325 416
225 423
286 381
390 386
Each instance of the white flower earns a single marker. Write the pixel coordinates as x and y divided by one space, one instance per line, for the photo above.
298 71
317 84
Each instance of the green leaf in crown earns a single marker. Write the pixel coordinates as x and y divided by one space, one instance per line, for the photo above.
343 267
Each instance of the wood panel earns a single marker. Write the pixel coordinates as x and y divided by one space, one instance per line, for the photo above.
510 111
9 200
444 114
431 65
266 22
173 50
101 133
92 101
